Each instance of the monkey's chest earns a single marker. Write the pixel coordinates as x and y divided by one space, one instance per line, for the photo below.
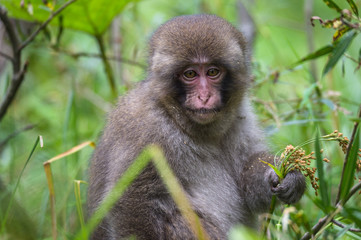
215 193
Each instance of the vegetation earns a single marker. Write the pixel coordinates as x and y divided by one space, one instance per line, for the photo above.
62 68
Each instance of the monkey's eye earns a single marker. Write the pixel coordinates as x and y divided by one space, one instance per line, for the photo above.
213 72
190 74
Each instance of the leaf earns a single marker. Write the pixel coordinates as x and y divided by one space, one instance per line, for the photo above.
321 176
91 16
177 192
349 171
340 32
318 53
338 51
353 6
279 174
353 119
332 5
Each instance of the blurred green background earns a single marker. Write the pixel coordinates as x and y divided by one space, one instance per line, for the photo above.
65 99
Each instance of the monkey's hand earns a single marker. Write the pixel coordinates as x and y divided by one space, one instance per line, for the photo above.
290 189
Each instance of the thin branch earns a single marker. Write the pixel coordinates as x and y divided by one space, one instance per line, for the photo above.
351 58
322 222
343 226
347 154
14 134
108 69
8 57
42 26
18 69
13 37
18 74
113 58
12 90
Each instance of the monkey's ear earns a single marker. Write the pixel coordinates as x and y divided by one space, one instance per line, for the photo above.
244 45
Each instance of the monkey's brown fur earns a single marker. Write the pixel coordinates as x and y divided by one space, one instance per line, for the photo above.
217 163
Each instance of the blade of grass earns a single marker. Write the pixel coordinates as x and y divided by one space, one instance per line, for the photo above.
168 177
177 192
278 172
49 178
318 53
321 176
338 51
79 206
332 5
354 132
38 139
348 176
270 213
123 183
353 7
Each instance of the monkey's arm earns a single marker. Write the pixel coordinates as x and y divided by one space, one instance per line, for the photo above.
259 182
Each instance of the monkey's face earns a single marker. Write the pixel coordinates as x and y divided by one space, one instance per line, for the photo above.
202 84
199 65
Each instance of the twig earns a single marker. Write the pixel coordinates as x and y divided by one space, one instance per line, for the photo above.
15 83
113 58
8 57
322 222
13 37
42 26
19 70
343 226
108 69
347 154
14 134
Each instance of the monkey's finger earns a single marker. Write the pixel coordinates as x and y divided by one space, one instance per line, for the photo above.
274 180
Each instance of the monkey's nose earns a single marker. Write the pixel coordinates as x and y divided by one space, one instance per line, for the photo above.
204 98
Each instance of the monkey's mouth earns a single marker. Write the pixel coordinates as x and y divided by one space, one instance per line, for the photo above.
204 110
203 115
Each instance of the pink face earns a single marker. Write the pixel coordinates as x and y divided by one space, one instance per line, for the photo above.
202 86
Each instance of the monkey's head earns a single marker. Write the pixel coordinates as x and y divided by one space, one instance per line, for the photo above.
200 66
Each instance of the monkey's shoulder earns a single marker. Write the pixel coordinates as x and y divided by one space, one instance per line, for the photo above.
135 118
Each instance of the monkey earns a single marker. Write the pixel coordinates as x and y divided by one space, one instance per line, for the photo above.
194 104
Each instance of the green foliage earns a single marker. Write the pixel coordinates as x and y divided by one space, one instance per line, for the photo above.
350 167
338 51
90 16
320 173
65 95
128 177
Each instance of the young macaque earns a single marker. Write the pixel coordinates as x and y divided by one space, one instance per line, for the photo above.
194 104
